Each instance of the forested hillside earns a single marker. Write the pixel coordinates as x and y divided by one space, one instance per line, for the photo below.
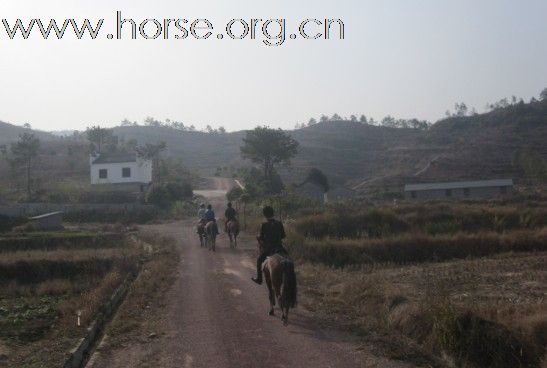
508 141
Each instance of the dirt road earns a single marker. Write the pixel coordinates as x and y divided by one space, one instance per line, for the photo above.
215 317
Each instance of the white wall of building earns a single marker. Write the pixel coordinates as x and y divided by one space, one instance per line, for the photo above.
141 172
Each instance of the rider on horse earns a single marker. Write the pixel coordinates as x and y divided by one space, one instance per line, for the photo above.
201 212
201 217
210 216
229 215
271 235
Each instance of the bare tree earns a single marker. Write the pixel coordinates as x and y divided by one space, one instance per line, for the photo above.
24 152
153 152
99 136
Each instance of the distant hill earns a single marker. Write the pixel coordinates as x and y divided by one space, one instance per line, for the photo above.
10 133
370 158
342 149
505 143
198 150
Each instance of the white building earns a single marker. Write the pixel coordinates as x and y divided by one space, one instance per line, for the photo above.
119 168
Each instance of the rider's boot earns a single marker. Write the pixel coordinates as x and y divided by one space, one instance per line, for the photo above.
258 278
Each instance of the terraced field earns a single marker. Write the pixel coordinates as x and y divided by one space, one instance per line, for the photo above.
46 282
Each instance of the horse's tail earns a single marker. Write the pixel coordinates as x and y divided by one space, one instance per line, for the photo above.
289 290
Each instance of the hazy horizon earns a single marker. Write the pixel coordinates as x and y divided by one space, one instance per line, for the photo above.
399 58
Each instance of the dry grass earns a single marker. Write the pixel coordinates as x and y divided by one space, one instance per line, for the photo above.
413 248
48 241
147 293
498 301
91 300
367 220
66 255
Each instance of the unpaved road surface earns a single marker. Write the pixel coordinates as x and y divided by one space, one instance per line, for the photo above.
215 317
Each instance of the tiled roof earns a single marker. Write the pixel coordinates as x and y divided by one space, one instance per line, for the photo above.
460 184
115 158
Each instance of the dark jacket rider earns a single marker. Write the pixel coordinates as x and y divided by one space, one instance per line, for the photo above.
229 215
271 235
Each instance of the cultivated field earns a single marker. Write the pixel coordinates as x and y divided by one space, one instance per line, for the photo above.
45 284
466 282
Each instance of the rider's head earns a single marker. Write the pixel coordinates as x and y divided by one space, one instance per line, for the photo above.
268 212
202 205
209 207
229 204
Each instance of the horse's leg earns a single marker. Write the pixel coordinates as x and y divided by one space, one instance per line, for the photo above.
271 295
272 301
213 242
285 317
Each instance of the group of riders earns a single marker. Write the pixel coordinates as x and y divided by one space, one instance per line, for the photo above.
270 237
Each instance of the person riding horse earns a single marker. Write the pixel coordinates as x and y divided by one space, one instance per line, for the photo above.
210 216
270 238
201 218
229 215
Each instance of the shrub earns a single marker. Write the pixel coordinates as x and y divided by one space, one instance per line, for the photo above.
487 344
8 223
180 191
183 209
165 195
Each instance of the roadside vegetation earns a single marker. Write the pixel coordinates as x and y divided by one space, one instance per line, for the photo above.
140 311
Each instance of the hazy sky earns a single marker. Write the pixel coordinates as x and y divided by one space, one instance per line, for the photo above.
400 57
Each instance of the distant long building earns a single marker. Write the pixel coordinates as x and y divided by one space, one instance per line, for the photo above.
460 190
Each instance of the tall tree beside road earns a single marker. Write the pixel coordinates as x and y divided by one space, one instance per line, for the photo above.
269 148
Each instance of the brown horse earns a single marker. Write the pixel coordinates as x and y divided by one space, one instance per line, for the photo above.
201 232
281 281
232 228
211 235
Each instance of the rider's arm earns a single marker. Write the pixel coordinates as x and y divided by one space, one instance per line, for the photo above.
282 230
261 234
